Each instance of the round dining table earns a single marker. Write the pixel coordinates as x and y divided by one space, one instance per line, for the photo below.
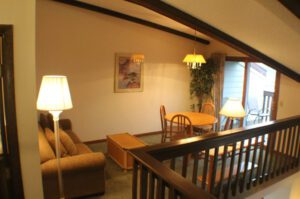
197 119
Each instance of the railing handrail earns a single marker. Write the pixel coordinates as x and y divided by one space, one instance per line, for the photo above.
181 184
167 150
149 157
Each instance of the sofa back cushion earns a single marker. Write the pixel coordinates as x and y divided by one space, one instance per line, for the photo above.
51 139
68 143
46 152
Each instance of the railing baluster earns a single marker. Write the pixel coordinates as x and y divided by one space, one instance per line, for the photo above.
253 163
266 162
184 165
294 151
205 167
291 146
282 155
232 161
277 154
195 168
237 176
242 185
171 192
214 170
144 182
172 163
151 185
260 159
272 148
298 155
134 179
160 189
224 158
286 152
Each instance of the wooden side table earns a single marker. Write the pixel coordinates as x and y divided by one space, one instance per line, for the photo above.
118 146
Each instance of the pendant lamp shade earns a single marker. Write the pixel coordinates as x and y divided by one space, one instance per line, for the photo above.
54 94
194 60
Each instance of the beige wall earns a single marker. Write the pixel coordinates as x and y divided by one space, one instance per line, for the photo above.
289 97
82 45
21 14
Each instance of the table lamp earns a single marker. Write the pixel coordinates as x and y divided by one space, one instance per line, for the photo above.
54 96
232 109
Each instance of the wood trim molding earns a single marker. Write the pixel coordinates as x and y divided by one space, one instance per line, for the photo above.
13 157
195 23
132 19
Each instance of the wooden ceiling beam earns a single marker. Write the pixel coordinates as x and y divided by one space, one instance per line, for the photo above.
195 23
132 19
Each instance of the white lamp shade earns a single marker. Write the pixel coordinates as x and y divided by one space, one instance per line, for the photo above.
233 108
54 94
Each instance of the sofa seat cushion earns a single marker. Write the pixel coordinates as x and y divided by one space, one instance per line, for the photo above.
82 148
46 152
68 143
51 139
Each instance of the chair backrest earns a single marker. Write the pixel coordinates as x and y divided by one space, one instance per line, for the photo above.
208 108
181 126
162 117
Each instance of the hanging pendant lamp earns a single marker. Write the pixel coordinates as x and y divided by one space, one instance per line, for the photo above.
194 60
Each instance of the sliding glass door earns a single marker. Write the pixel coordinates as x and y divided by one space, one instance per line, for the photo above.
253 83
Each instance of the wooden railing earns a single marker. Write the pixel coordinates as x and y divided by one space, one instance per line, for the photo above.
227 164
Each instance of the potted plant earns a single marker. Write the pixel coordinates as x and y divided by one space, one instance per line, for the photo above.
202 82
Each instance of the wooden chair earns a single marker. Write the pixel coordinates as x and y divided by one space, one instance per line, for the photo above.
164 124
180 127
208 108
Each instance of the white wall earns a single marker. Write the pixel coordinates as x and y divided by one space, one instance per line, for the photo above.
21 14
82 44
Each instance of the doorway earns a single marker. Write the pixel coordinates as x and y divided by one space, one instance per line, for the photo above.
255 85
10 170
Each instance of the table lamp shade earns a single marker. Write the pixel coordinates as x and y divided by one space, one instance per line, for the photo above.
233 108
54 94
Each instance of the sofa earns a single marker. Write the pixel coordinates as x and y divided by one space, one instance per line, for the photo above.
82 170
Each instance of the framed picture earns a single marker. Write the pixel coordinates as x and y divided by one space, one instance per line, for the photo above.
129 73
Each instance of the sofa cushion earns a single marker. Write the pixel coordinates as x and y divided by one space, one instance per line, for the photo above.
67 142
82 148
46 152
51 139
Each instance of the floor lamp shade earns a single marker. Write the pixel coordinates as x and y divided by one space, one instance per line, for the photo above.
233 108
54 94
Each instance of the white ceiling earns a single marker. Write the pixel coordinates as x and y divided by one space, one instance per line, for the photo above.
143 13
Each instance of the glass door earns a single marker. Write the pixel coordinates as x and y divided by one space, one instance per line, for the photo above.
253 83
259 94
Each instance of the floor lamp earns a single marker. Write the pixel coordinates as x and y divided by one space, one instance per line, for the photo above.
232 109
54 96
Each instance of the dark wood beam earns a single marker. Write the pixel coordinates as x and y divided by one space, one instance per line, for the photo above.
292 5
201 26
132 19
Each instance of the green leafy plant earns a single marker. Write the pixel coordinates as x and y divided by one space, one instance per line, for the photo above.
202 81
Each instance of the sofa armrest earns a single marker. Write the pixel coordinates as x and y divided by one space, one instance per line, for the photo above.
74 164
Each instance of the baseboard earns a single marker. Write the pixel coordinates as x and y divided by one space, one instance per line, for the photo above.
137 135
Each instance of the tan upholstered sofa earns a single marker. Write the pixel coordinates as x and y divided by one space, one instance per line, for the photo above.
83 172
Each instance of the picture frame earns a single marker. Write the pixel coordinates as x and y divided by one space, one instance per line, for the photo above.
129 73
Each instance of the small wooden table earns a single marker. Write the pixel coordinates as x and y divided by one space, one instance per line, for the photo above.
197 119
118 146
